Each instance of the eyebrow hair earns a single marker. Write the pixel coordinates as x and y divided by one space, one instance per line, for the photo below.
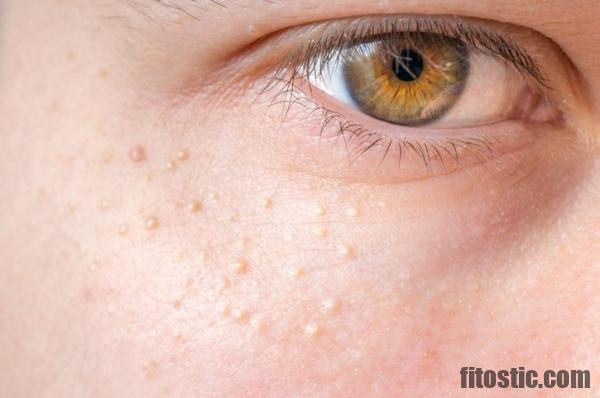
182 6
190 8
175 4
206 5
194 9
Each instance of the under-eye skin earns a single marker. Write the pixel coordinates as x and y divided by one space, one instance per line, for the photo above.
417 96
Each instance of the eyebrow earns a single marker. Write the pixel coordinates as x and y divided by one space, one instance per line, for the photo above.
189 8
174 4
185 6
205 5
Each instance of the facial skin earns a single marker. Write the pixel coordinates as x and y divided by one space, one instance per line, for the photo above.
164 234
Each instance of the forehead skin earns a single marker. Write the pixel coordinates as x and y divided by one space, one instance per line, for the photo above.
161 248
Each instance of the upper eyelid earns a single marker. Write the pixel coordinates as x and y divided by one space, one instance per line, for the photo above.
361 30
284 50
274 59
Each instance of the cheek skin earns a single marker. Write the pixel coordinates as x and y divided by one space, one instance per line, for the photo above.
186 260
152 256
234 277
219 270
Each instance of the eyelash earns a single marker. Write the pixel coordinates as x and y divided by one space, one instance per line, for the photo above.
311 60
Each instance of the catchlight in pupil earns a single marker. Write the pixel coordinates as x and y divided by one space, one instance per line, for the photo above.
408 65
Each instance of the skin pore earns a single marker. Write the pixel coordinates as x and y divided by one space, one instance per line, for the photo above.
165 233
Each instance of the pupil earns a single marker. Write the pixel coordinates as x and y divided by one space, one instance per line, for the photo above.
408 65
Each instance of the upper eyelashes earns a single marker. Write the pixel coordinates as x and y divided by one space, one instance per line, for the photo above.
444 91
313 57
410 81
439 73
426 79
410 71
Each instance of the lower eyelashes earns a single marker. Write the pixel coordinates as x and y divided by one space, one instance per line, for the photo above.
416 98
411 81
340 148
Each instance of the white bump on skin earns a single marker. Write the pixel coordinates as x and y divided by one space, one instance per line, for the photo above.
352 211
296 272
311 329
267 203
183 155
223 309
170 166
330 306
152 223
257 324
123 229
346 251
320 210
195 206
241 267
104 205
239 314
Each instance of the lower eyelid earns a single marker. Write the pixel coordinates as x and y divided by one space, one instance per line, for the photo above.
318 100
343 149
334 141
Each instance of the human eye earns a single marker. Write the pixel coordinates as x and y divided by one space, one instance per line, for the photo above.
415 97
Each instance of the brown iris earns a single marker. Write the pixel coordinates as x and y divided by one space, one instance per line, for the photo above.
410 80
